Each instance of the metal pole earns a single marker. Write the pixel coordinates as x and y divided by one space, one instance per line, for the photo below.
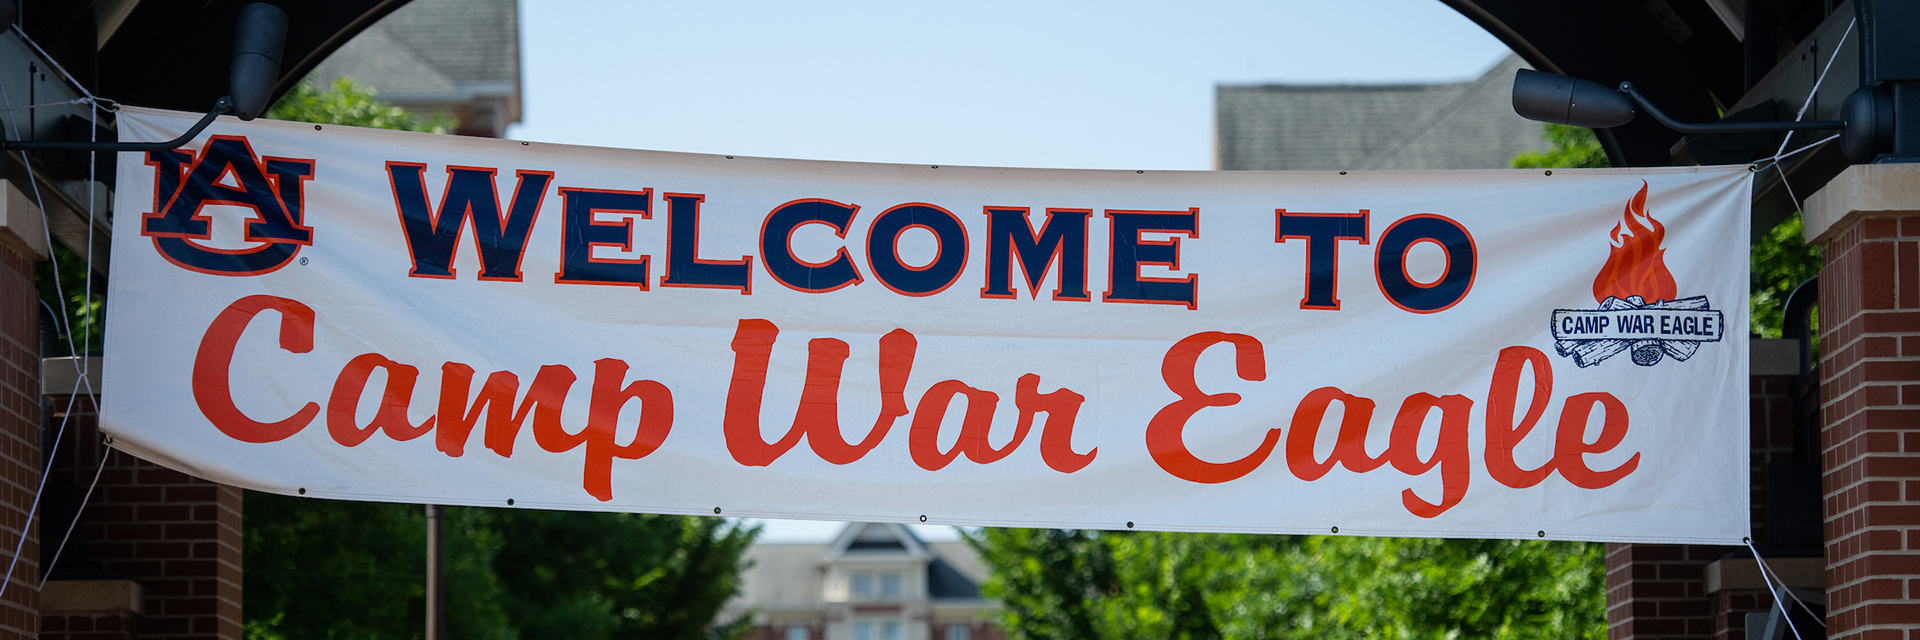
434 610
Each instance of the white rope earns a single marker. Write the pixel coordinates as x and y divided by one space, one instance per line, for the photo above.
1784 182
55 63
93 318
79 369
1781 153
1777 600
1767 573
75 524
50 104
1816 89
1816 143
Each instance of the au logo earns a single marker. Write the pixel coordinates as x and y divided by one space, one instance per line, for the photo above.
227 173
1626 321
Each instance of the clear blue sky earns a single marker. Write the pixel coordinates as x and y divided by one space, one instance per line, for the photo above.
1033 83
1039 83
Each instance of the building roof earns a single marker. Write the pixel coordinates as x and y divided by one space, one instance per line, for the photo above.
460 57
789 576
1462 125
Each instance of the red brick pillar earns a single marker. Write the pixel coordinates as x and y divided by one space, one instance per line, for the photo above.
1867 224
1659 591
21 244
175 535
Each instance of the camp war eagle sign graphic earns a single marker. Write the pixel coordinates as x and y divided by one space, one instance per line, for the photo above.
1626 321
343 313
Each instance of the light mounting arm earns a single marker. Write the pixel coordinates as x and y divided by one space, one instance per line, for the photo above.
1546 97
259 35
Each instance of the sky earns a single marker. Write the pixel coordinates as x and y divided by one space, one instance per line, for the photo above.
1125 84
1030 83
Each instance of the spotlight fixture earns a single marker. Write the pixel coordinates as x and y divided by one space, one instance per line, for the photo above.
1867 130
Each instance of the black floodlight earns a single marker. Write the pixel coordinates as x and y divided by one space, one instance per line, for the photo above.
258 38
1547 97
1867 130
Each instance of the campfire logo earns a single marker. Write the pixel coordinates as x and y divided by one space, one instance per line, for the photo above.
1639 312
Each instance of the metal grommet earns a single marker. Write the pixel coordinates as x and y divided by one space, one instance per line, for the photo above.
716 511
1549 172
1542 534
729 157
1336 529
303 491
936 166
923 518
523 144
1343 173
316 127
509 502
1139 171
1129 524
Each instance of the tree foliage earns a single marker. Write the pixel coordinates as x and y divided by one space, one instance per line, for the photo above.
1568 147
349 103
78 310
333 570
1782 260
1083 584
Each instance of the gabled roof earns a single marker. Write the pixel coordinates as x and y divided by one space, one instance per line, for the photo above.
1461 125
876 539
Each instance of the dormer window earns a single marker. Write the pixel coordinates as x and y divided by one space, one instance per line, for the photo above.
868 585
890 586
862 586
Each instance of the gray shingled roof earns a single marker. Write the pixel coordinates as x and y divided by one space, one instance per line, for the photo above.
1465 125
461 57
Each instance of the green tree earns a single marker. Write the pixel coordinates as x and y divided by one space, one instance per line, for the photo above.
1782 260
590 576
78 316
1567 147
334 570
1056 584
338 570
349 103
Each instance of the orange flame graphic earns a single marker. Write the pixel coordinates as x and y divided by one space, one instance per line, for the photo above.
1635 268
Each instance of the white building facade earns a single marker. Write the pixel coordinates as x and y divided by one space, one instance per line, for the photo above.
872 582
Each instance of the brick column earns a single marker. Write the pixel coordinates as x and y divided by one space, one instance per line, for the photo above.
22 243
175 535
1659 591
1867 224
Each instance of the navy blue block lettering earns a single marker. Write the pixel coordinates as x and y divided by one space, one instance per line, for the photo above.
1129 252
883 255
470 194
583 233
184 186
776 247
1323 233
684 266
1062 239
1391 263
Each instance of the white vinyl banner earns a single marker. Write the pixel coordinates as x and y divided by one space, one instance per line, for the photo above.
371 315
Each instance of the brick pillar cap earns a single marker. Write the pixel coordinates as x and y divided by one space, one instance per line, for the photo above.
20 223
1862 191
90 597
1744 574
